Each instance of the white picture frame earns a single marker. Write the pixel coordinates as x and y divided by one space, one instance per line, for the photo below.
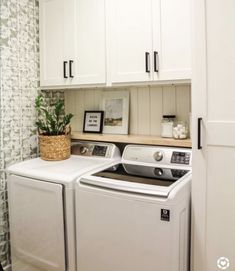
115 105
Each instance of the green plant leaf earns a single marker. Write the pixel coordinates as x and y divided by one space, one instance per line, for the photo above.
38 102
67 119
42 127
58 109
51 120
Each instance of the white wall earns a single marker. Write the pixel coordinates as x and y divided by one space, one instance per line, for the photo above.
147 105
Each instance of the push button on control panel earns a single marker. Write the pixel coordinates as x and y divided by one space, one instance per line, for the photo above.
99 150
180 158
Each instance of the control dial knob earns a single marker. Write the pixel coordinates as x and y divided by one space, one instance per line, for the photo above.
83 149
158 172
158 156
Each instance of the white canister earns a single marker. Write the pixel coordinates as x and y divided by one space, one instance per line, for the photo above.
167 125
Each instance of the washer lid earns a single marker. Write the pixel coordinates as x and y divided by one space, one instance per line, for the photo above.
158 181
64 172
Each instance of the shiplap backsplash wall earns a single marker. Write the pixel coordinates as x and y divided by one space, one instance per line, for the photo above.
147 105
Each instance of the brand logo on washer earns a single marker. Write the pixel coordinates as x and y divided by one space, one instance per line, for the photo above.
223 263
165 214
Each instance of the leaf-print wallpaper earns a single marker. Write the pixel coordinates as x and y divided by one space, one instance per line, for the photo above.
19 72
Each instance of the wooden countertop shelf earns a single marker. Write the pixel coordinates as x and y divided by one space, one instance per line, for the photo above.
133 139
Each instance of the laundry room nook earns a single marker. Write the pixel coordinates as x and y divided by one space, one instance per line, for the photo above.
147 106
117 132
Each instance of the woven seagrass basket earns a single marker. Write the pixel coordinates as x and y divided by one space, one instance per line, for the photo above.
55 148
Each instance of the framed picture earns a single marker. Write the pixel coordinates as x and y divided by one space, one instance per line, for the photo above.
116 112
93 121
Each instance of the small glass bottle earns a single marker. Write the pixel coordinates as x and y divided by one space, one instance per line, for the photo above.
167 125
180 130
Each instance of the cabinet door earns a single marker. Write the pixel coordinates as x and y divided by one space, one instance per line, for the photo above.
52 42
130 35
213 165
88 41
172 36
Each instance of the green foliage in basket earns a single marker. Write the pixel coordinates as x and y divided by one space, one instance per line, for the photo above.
51 119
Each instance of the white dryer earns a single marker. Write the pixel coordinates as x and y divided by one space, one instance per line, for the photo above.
41 207
134 215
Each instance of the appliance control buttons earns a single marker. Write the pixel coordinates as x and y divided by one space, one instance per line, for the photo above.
180 158
100 150
158 156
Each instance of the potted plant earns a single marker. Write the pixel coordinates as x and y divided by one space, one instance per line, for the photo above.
54 130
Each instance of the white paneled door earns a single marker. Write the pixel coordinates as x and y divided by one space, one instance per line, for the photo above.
72 42
53 24
172 39
52 12
130 36
213 246
88 42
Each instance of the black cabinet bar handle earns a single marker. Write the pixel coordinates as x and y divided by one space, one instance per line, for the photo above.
199 122
64 67
147 69
156 62
70 68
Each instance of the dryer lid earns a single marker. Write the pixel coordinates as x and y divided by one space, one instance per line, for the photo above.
64 172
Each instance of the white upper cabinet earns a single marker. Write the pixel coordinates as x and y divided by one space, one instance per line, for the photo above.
98 42
52 42
130 40
149 40
72 42
172 39
89 43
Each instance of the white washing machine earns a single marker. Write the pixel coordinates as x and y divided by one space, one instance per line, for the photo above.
135 215
41 207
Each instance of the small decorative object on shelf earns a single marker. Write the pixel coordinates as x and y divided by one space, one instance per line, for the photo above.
93 121
54 130
116 112
167 125
180 130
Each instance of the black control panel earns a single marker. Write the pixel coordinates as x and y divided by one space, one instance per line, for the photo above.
180 158
99 150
